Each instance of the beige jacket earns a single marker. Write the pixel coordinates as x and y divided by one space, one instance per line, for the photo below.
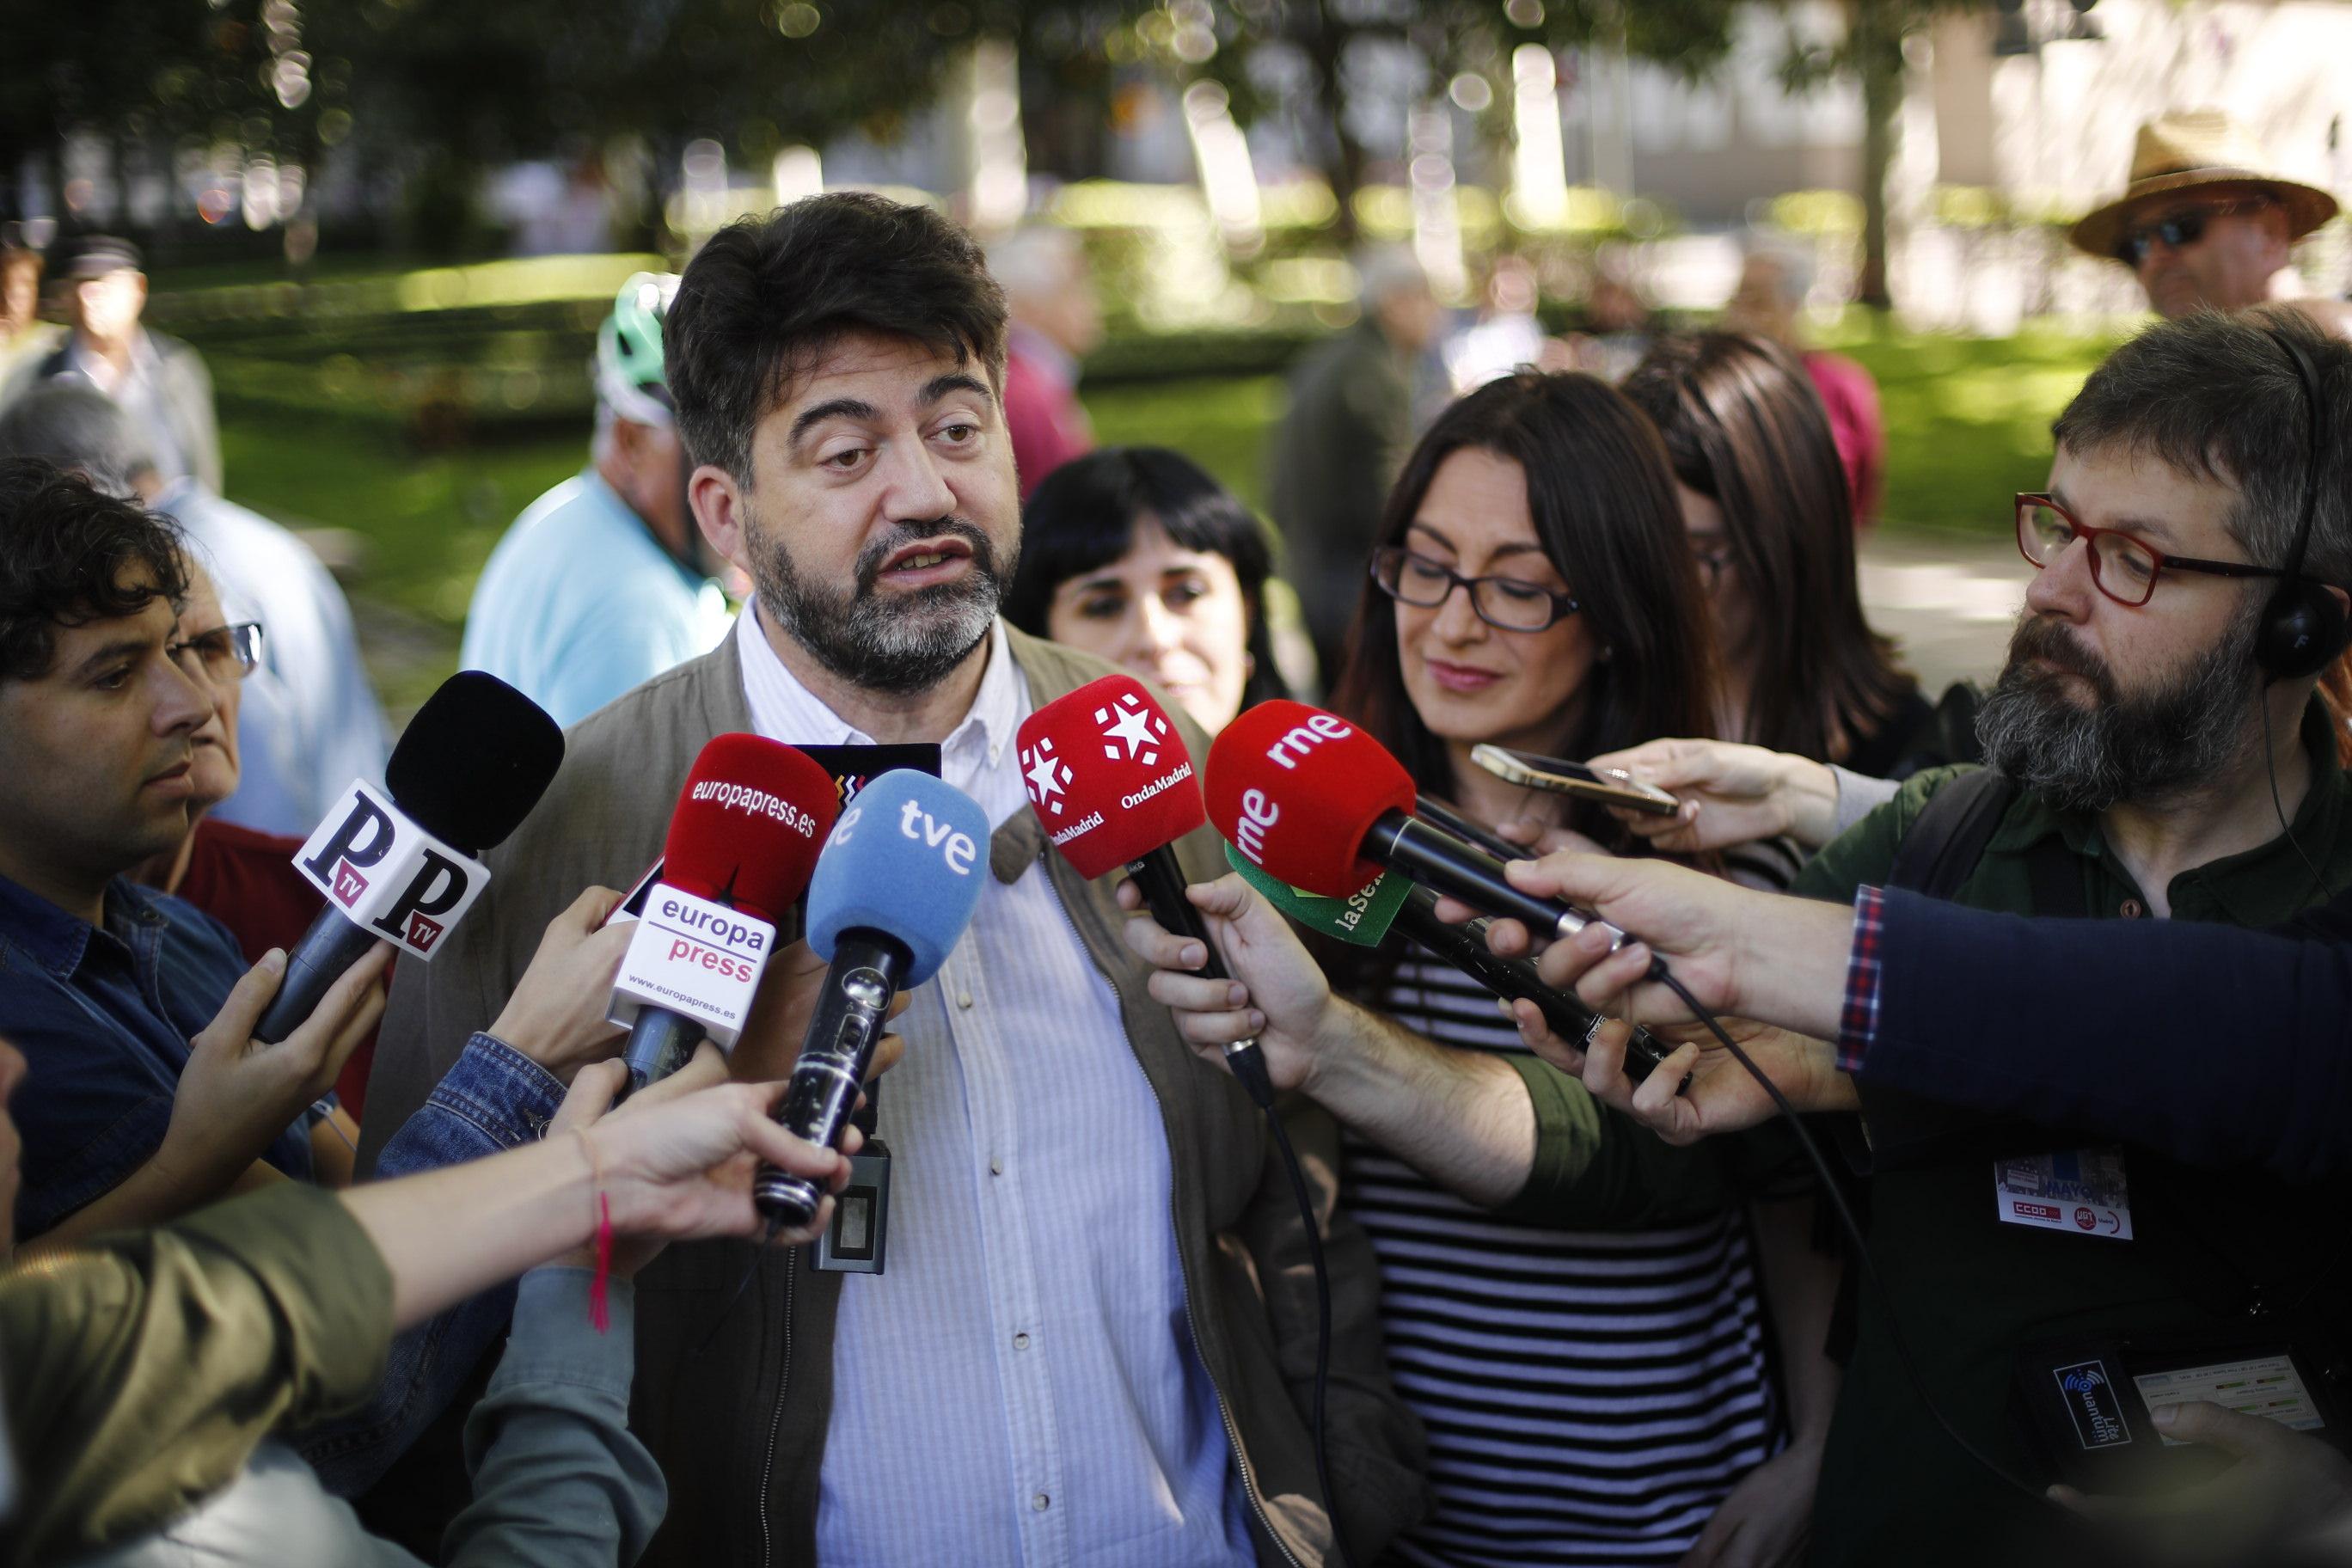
738 1422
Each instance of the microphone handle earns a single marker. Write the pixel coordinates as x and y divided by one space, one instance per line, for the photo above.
1515 979
851 1015
1162 882
1439 861
332 945
659 1043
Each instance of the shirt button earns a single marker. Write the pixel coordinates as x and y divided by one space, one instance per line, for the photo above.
1021 1341
963 999
1041 1502
2133 909
996 1167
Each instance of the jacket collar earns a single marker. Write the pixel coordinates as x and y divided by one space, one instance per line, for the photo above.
57 940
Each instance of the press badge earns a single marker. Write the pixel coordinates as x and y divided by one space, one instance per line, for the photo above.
2077 1189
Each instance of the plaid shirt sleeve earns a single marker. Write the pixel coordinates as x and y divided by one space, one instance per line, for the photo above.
1858 1026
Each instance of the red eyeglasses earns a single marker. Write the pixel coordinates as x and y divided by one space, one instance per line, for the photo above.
2124 569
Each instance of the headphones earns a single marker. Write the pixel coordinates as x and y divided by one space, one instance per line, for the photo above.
2304 625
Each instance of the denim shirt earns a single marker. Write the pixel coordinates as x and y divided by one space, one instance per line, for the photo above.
492 1098
104 1015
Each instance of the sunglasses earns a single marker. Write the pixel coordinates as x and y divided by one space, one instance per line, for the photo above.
2180 228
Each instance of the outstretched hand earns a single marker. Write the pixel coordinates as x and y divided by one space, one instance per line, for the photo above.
2285 1484
1731 794
1278 992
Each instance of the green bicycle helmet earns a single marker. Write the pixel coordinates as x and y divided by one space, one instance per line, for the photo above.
629 377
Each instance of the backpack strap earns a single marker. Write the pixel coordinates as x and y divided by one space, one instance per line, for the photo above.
1950 836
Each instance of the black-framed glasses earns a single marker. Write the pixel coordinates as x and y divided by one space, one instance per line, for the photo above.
2180 228
2122 567
1712 564
1506 604
221 655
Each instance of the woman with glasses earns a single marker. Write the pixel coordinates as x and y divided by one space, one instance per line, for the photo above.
1136 555
241 877
1598 1396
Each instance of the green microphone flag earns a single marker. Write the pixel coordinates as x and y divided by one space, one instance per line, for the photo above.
1363 918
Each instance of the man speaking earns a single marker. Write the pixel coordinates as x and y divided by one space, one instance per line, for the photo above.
1096 1338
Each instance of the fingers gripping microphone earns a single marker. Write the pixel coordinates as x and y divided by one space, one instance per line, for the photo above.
894 889
1312 799
1111 779
401 865
743 843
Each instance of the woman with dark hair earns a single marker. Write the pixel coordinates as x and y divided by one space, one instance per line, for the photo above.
1591 1395
1135 555
1771 522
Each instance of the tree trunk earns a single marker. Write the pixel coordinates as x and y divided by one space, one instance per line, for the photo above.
1327 48
1878 42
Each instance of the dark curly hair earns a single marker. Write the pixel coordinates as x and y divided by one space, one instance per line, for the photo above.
766 296
71 554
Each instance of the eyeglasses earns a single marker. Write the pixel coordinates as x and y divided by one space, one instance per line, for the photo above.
221 655
2124 569
1504 602
2180 228
1712 564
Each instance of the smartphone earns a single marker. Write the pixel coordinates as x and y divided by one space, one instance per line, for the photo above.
1608 785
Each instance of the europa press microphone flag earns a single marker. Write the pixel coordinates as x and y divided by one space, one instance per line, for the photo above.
402 865
743 843
895 885
1111 779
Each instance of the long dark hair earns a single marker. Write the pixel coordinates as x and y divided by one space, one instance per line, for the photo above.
1082 517
1745 428
1602 499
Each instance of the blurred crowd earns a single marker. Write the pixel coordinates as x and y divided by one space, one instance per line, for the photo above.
395 1287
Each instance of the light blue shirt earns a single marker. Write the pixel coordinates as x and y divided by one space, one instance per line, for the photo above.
578 603
1032 1326
308 721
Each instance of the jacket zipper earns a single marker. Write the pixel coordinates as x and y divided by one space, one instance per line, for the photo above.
1192 1323
776 1422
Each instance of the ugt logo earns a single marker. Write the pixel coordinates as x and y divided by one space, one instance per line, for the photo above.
1045 775
1142 732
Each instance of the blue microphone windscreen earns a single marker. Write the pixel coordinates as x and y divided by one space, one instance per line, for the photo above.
906 858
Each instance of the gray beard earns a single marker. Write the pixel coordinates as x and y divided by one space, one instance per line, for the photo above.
905 646
2162 746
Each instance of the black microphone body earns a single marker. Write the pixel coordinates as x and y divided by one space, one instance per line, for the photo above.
1162 884
1515 980
660 1041
851 1015
332 944
1440 861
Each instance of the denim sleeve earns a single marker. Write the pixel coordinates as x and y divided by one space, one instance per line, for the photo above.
493 1099
557 1479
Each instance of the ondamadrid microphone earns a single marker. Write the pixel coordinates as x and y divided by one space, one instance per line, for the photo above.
895 888
404 869
743 843
1111 779
1312 799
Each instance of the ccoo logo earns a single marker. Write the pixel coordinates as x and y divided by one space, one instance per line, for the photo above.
1141 730
1045 775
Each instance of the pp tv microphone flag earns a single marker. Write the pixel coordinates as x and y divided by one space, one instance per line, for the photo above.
895 885
402 865
743 842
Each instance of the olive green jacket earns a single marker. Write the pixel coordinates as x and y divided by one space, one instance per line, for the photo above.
734 1403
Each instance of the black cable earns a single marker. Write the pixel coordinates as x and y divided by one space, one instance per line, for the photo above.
2269 766
1249 1067
1664 976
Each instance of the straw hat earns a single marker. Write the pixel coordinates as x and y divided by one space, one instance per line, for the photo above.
2199 147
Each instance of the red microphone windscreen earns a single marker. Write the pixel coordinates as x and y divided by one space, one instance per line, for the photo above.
749 825
1108 774
1296 789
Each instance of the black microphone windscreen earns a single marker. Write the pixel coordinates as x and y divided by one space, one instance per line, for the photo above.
474 761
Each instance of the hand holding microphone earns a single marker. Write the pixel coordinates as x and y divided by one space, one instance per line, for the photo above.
895 887
1111 780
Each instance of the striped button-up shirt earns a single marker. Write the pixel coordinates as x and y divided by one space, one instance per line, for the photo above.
1022 1385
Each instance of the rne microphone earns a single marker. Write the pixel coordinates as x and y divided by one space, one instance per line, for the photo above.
743 843
402 865
895 887
1312 799
1111 779
1392 903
